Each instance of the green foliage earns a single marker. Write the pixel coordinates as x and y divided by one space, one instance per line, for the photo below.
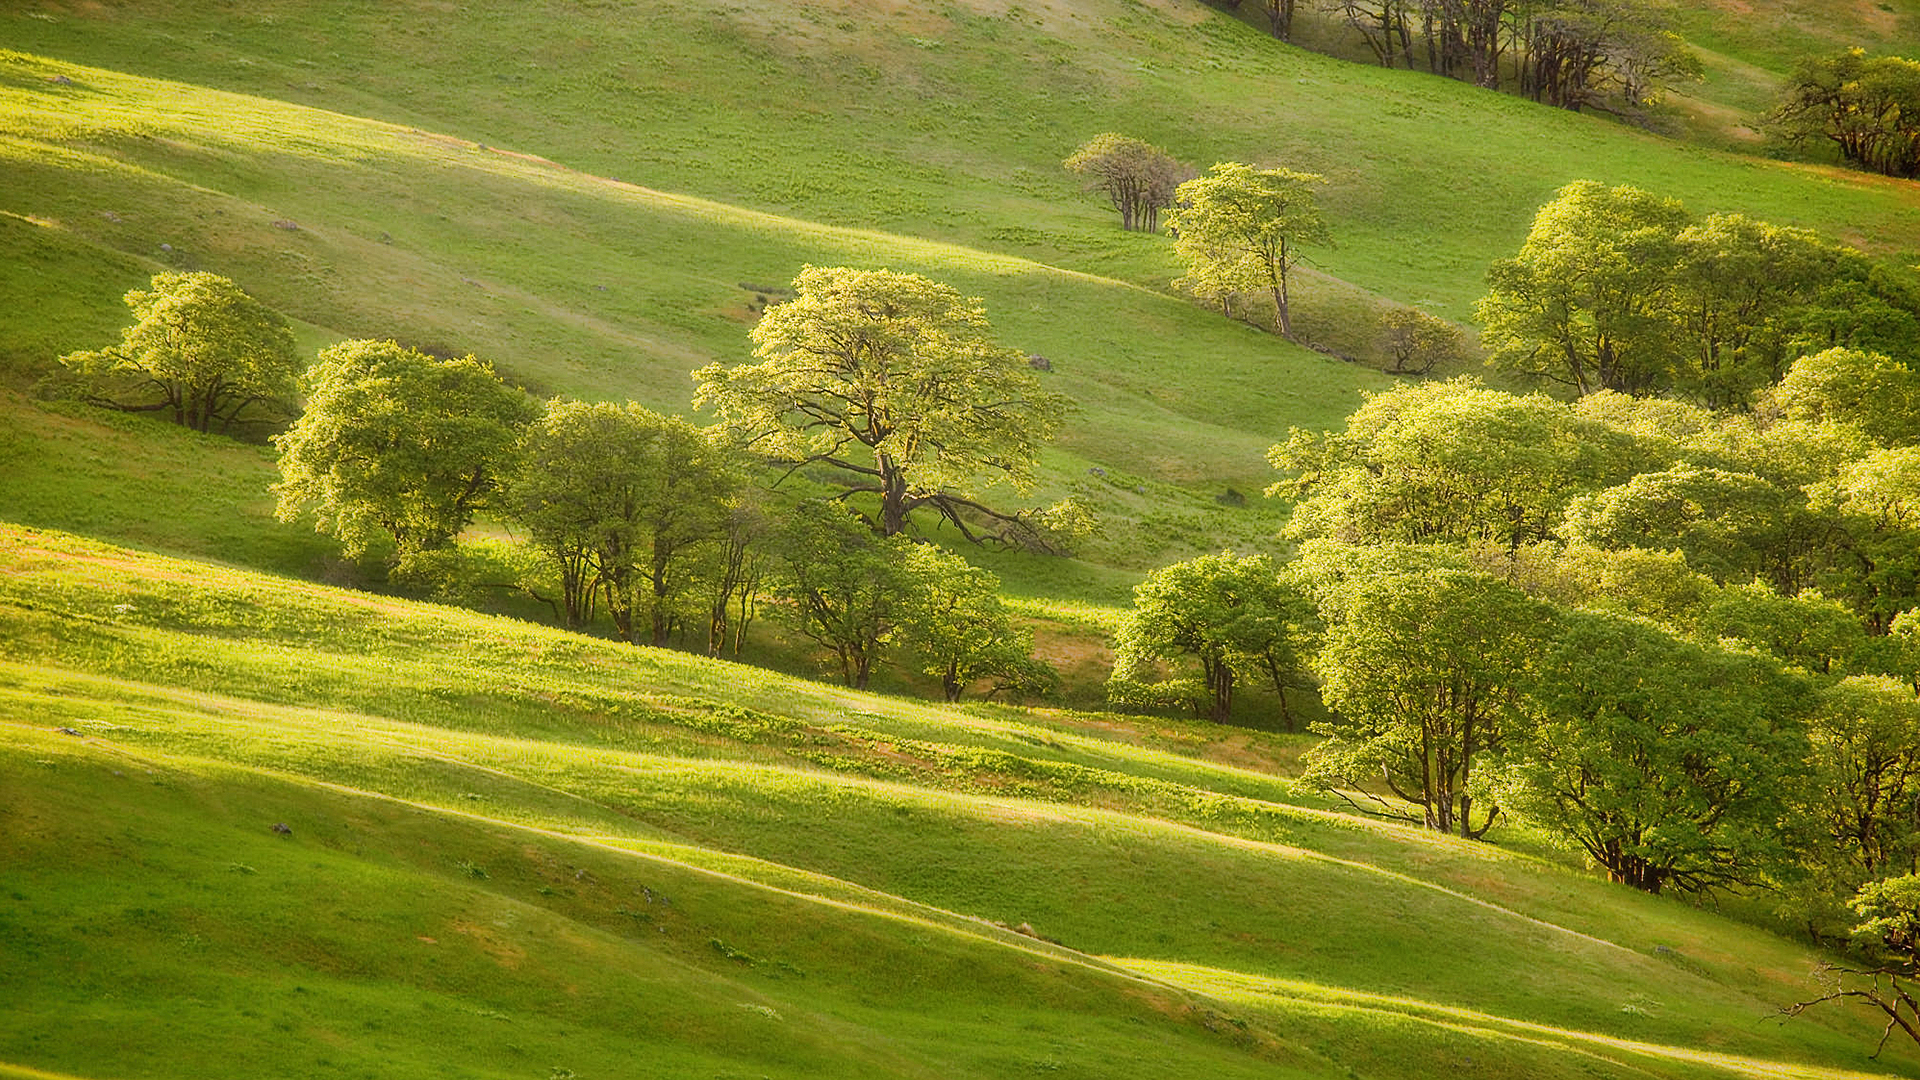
1138 177
1878 396
1808 631
1618 289
896 382
1448 462
1666 762
960 631
1423 668
398 442
846 588
1868 108
618 496
1731 526
1239 228
1230 613
201 350
1863 777
1416 341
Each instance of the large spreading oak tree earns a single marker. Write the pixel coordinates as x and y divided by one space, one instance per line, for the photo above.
895 383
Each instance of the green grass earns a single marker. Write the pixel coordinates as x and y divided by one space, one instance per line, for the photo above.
463 770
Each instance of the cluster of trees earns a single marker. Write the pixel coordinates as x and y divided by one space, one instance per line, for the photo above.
888 388
1619 289
1617 56
1685 643
1682 641
1138 177
1868 108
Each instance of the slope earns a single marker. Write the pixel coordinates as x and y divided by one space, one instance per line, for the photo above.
525 799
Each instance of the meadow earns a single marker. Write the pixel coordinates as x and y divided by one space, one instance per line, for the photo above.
510 851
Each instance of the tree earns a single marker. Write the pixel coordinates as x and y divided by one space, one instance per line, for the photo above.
1584 303
1864 779
846 588
1876 561
1730 525
1423 670
1449 462
1138 177
956 625
1868 108
1876 395
1238 220
1666 762
1888 936
1417 341
895 382
617 495
396 441
1231 614
200 349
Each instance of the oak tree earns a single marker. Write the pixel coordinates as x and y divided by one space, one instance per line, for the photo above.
395 441
199 349
1239 223
895 384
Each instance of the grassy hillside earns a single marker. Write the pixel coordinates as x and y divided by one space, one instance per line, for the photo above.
566 854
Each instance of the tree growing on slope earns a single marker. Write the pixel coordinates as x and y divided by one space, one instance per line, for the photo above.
395 441
894 383
1239 223
199 349
1138 177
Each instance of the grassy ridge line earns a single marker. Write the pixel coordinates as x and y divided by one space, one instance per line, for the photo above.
1256 991
694 860
550 960
223 169
262 747
495 756
983 99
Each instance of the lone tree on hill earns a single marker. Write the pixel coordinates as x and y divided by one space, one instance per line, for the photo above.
199 348
895 382
1239 223
1138 177
396 441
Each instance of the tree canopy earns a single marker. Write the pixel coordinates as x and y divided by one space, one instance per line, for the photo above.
396 441
616 495
1239 227
1138 177
1230 614
1866 107
896 384
199 349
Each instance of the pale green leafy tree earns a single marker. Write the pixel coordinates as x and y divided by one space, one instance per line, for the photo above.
201 350
1665 761
398 442
1448 462
959 630
1239 225
1423 670
895 383
1232 615
845 588
1585 303
1869 391
618 496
